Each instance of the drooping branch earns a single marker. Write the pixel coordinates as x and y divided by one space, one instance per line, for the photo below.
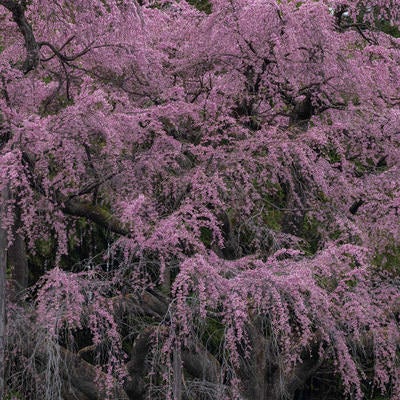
32 47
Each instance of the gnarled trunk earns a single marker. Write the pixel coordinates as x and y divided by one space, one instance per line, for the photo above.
262 376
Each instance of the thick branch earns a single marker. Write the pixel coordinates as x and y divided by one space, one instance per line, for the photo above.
85 376
97 214
32 48
94 185
147 304
81 208
137 368
78 375
297 378
200 363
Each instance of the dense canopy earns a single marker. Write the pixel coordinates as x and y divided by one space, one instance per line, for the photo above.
200 201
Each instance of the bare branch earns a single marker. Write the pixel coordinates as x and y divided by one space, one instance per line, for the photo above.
61 56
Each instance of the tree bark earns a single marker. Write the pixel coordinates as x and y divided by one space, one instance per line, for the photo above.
177 368
137 366
96 214
84 377
17 260
32 48
80 379
262 376
200 363
3 275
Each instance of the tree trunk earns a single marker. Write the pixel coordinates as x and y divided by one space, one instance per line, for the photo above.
17 260
262 377
3 272
177 368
